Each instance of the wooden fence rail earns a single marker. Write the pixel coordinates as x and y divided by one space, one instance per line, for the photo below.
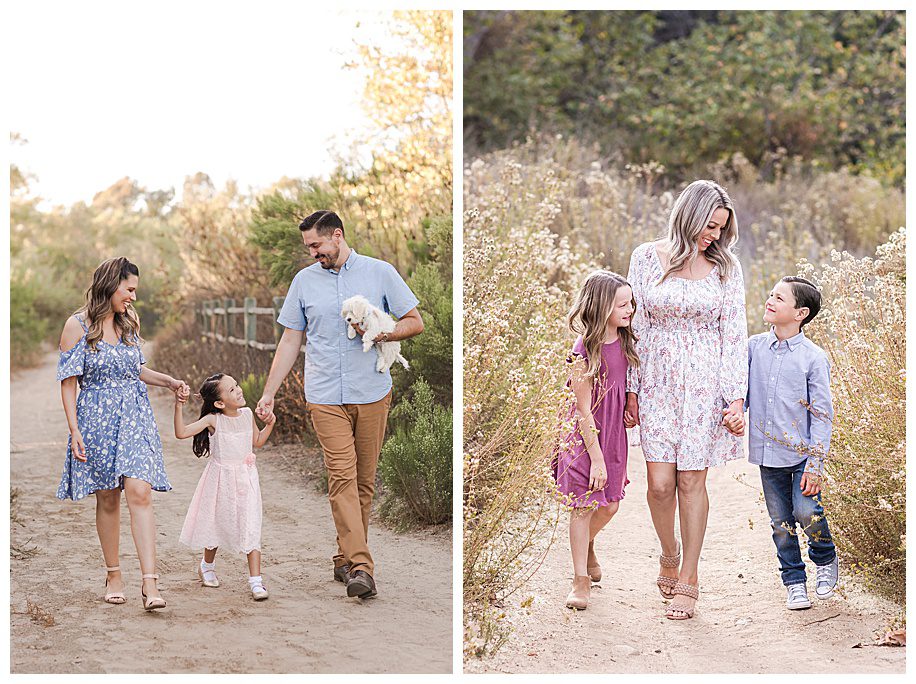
218 321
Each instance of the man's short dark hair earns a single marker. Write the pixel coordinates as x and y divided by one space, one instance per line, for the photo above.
806 295
324 221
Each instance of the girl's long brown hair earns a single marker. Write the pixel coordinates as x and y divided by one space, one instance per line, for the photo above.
209 394
105 282
590 313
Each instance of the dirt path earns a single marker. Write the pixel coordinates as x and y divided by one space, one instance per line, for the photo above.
741 624
60 624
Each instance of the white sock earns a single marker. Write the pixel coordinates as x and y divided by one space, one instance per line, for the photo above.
207 567
254 581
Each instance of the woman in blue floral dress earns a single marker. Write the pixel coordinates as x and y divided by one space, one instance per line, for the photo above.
114 443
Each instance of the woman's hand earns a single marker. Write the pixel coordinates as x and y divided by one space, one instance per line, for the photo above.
265 406
597 476
77 447
733 418
631 411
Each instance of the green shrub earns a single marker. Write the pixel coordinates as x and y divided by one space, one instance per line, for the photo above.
416 462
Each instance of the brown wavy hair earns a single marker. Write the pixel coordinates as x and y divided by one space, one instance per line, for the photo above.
691 213
105 282
590 313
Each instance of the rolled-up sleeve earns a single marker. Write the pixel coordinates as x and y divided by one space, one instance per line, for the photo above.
399 298
733 365
292 315
820 413
639 323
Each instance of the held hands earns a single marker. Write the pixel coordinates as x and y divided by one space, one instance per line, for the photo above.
597 475
269 419
631 411
181 389
810 484
733 419
265 407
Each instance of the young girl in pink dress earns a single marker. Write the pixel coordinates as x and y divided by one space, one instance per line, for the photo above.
591 464
226 507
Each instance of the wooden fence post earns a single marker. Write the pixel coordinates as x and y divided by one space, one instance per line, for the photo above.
230 328
251 321
278 329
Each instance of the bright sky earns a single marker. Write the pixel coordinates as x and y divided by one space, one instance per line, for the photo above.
159 91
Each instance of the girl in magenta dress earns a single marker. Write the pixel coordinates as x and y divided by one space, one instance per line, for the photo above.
591 464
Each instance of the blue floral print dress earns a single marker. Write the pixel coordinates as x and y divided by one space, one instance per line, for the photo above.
114 416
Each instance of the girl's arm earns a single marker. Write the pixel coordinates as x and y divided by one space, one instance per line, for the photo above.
582 387
183 431
259 437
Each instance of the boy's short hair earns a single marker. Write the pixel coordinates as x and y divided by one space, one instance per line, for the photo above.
324 221
806 295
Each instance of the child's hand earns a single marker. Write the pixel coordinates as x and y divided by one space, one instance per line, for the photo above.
597 476
631 411
270 418
810 484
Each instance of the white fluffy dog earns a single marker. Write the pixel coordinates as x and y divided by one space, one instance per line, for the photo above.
374 322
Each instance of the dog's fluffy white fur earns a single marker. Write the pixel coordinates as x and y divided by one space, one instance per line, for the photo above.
374 322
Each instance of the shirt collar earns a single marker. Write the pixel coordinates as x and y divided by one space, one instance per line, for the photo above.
348 264
792 342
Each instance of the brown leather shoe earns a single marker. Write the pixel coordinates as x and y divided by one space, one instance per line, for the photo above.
361 584
342 573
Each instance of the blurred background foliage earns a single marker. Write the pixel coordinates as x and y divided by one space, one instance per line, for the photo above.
826 86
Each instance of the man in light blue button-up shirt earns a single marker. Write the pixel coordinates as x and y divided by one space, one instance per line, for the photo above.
347 398
790 421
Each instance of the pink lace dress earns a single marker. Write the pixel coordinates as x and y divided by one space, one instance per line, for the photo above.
225 510
692 362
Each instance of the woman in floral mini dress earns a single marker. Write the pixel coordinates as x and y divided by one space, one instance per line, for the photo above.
692 344
114 443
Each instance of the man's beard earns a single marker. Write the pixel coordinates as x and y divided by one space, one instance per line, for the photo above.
330 260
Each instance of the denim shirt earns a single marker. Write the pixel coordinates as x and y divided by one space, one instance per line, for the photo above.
784 376
336 370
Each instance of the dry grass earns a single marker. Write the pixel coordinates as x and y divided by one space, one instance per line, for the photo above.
863 328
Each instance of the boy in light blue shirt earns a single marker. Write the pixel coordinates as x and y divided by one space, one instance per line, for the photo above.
791 416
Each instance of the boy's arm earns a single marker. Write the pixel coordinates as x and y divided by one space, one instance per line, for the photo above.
821 413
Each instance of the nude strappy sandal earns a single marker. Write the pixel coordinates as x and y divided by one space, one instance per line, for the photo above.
151 603
668 582
593 571
683 589
114 597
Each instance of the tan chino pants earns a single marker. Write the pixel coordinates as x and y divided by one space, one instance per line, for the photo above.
351 437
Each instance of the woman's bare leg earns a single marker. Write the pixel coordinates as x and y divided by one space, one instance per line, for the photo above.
693 510
108 526
662 487
143 526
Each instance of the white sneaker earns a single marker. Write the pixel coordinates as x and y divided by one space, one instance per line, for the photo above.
827 577
797 598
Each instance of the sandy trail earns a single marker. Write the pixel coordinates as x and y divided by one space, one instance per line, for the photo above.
307 625
741 624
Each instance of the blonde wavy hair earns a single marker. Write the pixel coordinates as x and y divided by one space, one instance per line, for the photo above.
105 282
691 213
590 313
